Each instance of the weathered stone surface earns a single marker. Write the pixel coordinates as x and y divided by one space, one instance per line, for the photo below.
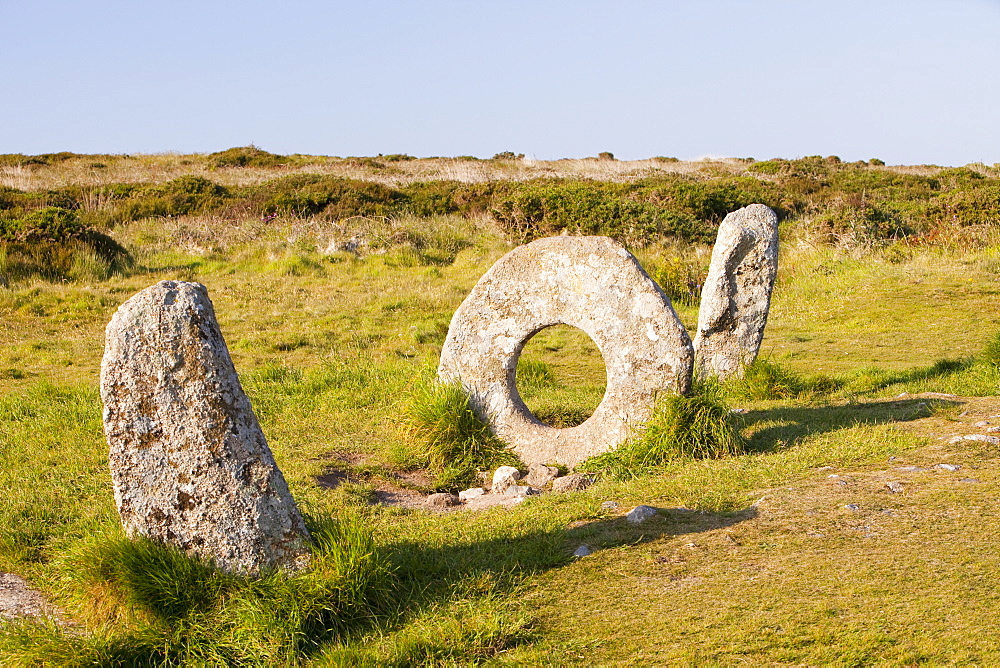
737 292
591 283
189 462
540 475
571 483
520 490
582 551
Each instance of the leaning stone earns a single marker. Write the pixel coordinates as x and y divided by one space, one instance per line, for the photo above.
640 514
571 483
189 463
504 477
596 285
470 494
737 292
442 500
540 475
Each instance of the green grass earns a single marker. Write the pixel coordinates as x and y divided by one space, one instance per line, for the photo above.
753 557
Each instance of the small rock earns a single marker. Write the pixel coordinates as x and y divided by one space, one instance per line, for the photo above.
609 505
442 500
825 468
895 487
902 395
981 423
540 475
739 411
833 476
469 494
982 438
571 483
852 506
993 430
969 480
948 467
912 469
640 514
504 477
520 490
582 551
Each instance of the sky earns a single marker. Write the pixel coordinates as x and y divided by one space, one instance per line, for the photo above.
907 81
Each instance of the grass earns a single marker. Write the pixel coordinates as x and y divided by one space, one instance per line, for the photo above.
753 557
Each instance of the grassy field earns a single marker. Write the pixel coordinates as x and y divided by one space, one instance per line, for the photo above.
796 552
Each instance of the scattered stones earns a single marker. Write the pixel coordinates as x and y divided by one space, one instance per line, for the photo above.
852 507
469 494
640 514
982 438
504 477
189 462
540 475
609 505
571 483
520 490
948 467
594 284
737 292
443 500
895 487
582 551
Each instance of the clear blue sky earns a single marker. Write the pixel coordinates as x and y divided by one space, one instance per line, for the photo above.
906 81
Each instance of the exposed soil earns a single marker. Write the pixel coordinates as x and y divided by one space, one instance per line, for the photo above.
18 599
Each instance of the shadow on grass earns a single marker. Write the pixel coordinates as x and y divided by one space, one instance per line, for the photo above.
426 572
776 428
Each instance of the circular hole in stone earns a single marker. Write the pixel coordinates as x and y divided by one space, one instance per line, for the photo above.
561 376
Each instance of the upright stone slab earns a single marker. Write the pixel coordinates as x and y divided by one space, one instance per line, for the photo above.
594 284
737 293
189 462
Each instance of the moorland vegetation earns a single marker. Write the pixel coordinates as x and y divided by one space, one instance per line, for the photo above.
334 280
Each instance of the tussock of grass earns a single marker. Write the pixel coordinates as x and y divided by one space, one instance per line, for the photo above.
448 438
184 612
697 426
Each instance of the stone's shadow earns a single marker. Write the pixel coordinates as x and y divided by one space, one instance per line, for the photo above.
611 532
775 428
429 571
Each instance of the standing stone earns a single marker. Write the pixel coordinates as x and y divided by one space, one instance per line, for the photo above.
737 292
593 284
190 465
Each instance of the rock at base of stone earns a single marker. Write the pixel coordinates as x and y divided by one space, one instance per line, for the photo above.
469 494
540 475
443 500
737 292
571 483
504 477
582 551
189 463
520 490
640 514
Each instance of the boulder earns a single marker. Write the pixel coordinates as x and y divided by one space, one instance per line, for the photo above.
189 463
596 285
737 292
469 494
640 514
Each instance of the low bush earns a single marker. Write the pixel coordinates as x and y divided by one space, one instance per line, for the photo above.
246 156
